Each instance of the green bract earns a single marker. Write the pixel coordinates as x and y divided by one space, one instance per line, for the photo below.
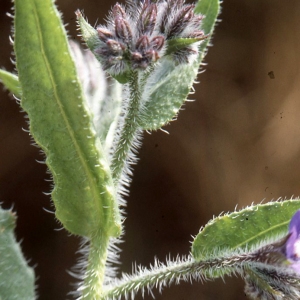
165 92
173 83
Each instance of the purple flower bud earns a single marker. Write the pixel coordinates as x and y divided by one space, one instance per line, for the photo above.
142 43
118 11
180 21
157 42
151 55
147 18
104 34
122 28
145 53
198 34
136 34
115 47
139 61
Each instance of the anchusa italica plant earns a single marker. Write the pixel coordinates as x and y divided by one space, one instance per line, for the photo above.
87 111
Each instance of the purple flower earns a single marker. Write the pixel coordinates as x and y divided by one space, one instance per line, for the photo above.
284 253
292 246
273 271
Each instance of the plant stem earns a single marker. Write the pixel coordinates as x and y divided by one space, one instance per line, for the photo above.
130 127
161 275
94 275
186 269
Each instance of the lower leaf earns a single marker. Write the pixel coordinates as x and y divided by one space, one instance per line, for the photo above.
16 277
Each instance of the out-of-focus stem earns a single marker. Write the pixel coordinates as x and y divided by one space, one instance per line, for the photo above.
130 127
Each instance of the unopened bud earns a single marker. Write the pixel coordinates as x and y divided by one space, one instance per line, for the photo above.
147 18
104 34
118 11
198 34
180 21
134 39
115 47
157 42
123 30
142 43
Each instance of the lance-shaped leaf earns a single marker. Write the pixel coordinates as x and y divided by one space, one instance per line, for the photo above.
16 278
83 194
167 88
244 229
11 82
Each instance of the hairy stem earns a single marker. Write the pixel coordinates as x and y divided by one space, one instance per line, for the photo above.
130 127
94 274
161 275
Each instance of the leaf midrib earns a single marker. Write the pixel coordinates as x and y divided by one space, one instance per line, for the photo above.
260 234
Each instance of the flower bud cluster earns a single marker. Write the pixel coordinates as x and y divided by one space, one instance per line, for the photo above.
136 36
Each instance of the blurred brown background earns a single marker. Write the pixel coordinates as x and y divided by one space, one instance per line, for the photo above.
238 143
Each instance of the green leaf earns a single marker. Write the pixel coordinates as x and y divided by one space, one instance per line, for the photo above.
11 82
122 78
210 10
177 44
167 88
244 229
83 194
16 278
165 92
